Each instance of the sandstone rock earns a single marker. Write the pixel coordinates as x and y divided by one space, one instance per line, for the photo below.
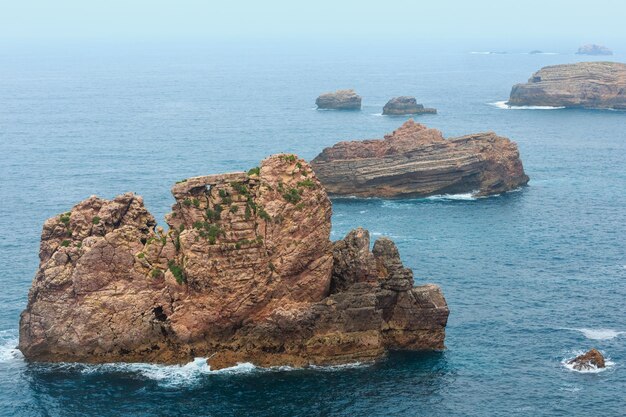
593 49
417 161
339 100
586 84
245 273
593 359
405 105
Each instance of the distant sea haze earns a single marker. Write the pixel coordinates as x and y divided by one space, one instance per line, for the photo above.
532 277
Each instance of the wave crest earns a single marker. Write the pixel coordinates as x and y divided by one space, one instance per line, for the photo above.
503 105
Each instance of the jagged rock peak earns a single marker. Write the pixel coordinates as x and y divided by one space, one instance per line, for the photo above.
245 273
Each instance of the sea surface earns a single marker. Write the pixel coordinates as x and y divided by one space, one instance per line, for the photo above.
532 277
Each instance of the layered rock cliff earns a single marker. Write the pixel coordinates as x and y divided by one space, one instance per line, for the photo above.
339 100
245 273
405 105
417 161
598 85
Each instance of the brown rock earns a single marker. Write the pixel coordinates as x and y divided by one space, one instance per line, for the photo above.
417 161
339 100
597 85
405 105
246 272
593 359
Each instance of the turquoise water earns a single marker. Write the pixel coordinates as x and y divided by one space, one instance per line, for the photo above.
531 277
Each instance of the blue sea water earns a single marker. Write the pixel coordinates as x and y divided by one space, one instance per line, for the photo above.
532 277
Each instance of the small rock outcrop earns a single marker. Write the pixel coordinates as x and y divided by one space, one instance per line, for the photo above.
405 105
417 161
245 273
598 85
593 49
593 359
339 100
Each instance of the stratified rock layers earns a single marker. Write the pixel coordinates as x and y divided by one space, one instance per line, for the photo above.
599 85
246 273
417 161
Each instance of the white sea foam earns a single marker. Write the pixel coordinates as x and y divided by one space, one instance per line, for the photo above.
503 105
608 364
8 343
461 197
480 53
599 334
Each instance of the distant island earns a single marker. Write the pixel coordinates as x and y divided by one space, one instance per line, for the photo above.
417 161
593 49
597 85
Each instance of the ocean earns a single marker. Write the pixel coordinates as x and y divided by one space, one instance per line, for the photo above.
532 277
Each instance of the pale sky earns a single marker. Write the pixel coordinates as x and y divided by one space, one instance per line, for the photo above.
598 20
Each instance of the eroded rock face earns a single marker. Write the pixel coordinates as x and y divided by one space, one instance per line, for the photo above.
417 161
339 100
405 105
246 273
593 49
593 359
598 85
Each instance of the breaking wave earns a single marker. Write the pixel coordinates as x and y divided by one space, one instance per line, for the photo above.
8 343
173 376
453 197
503 105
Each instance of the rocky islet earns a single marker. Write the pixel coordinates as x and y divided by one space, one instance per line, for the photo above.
597 85
245 273
418 161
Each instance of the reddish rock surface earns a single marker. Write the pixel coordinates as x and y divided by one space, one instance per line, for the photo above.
417 161
245 273
593 359
599 85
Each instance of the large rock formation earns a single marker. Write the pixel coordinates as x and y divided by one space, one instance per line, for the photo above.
593 49
585 84
417 161
339 100
246 272
405 105
590 360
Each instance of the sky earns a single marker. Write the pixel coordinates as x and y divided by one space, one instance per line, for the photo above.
581 21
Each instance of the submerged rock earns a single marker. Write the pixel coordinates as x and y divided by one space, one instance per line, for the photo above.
585 84
245 273
417 161
339 100
593 359
593 49
405 105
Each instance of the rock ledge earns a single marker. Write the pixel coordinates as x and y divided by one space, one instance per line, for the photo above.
417 161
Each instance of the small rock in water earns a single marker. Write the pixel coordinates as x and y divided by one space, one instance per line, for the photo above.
339 100
593 359
405 105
